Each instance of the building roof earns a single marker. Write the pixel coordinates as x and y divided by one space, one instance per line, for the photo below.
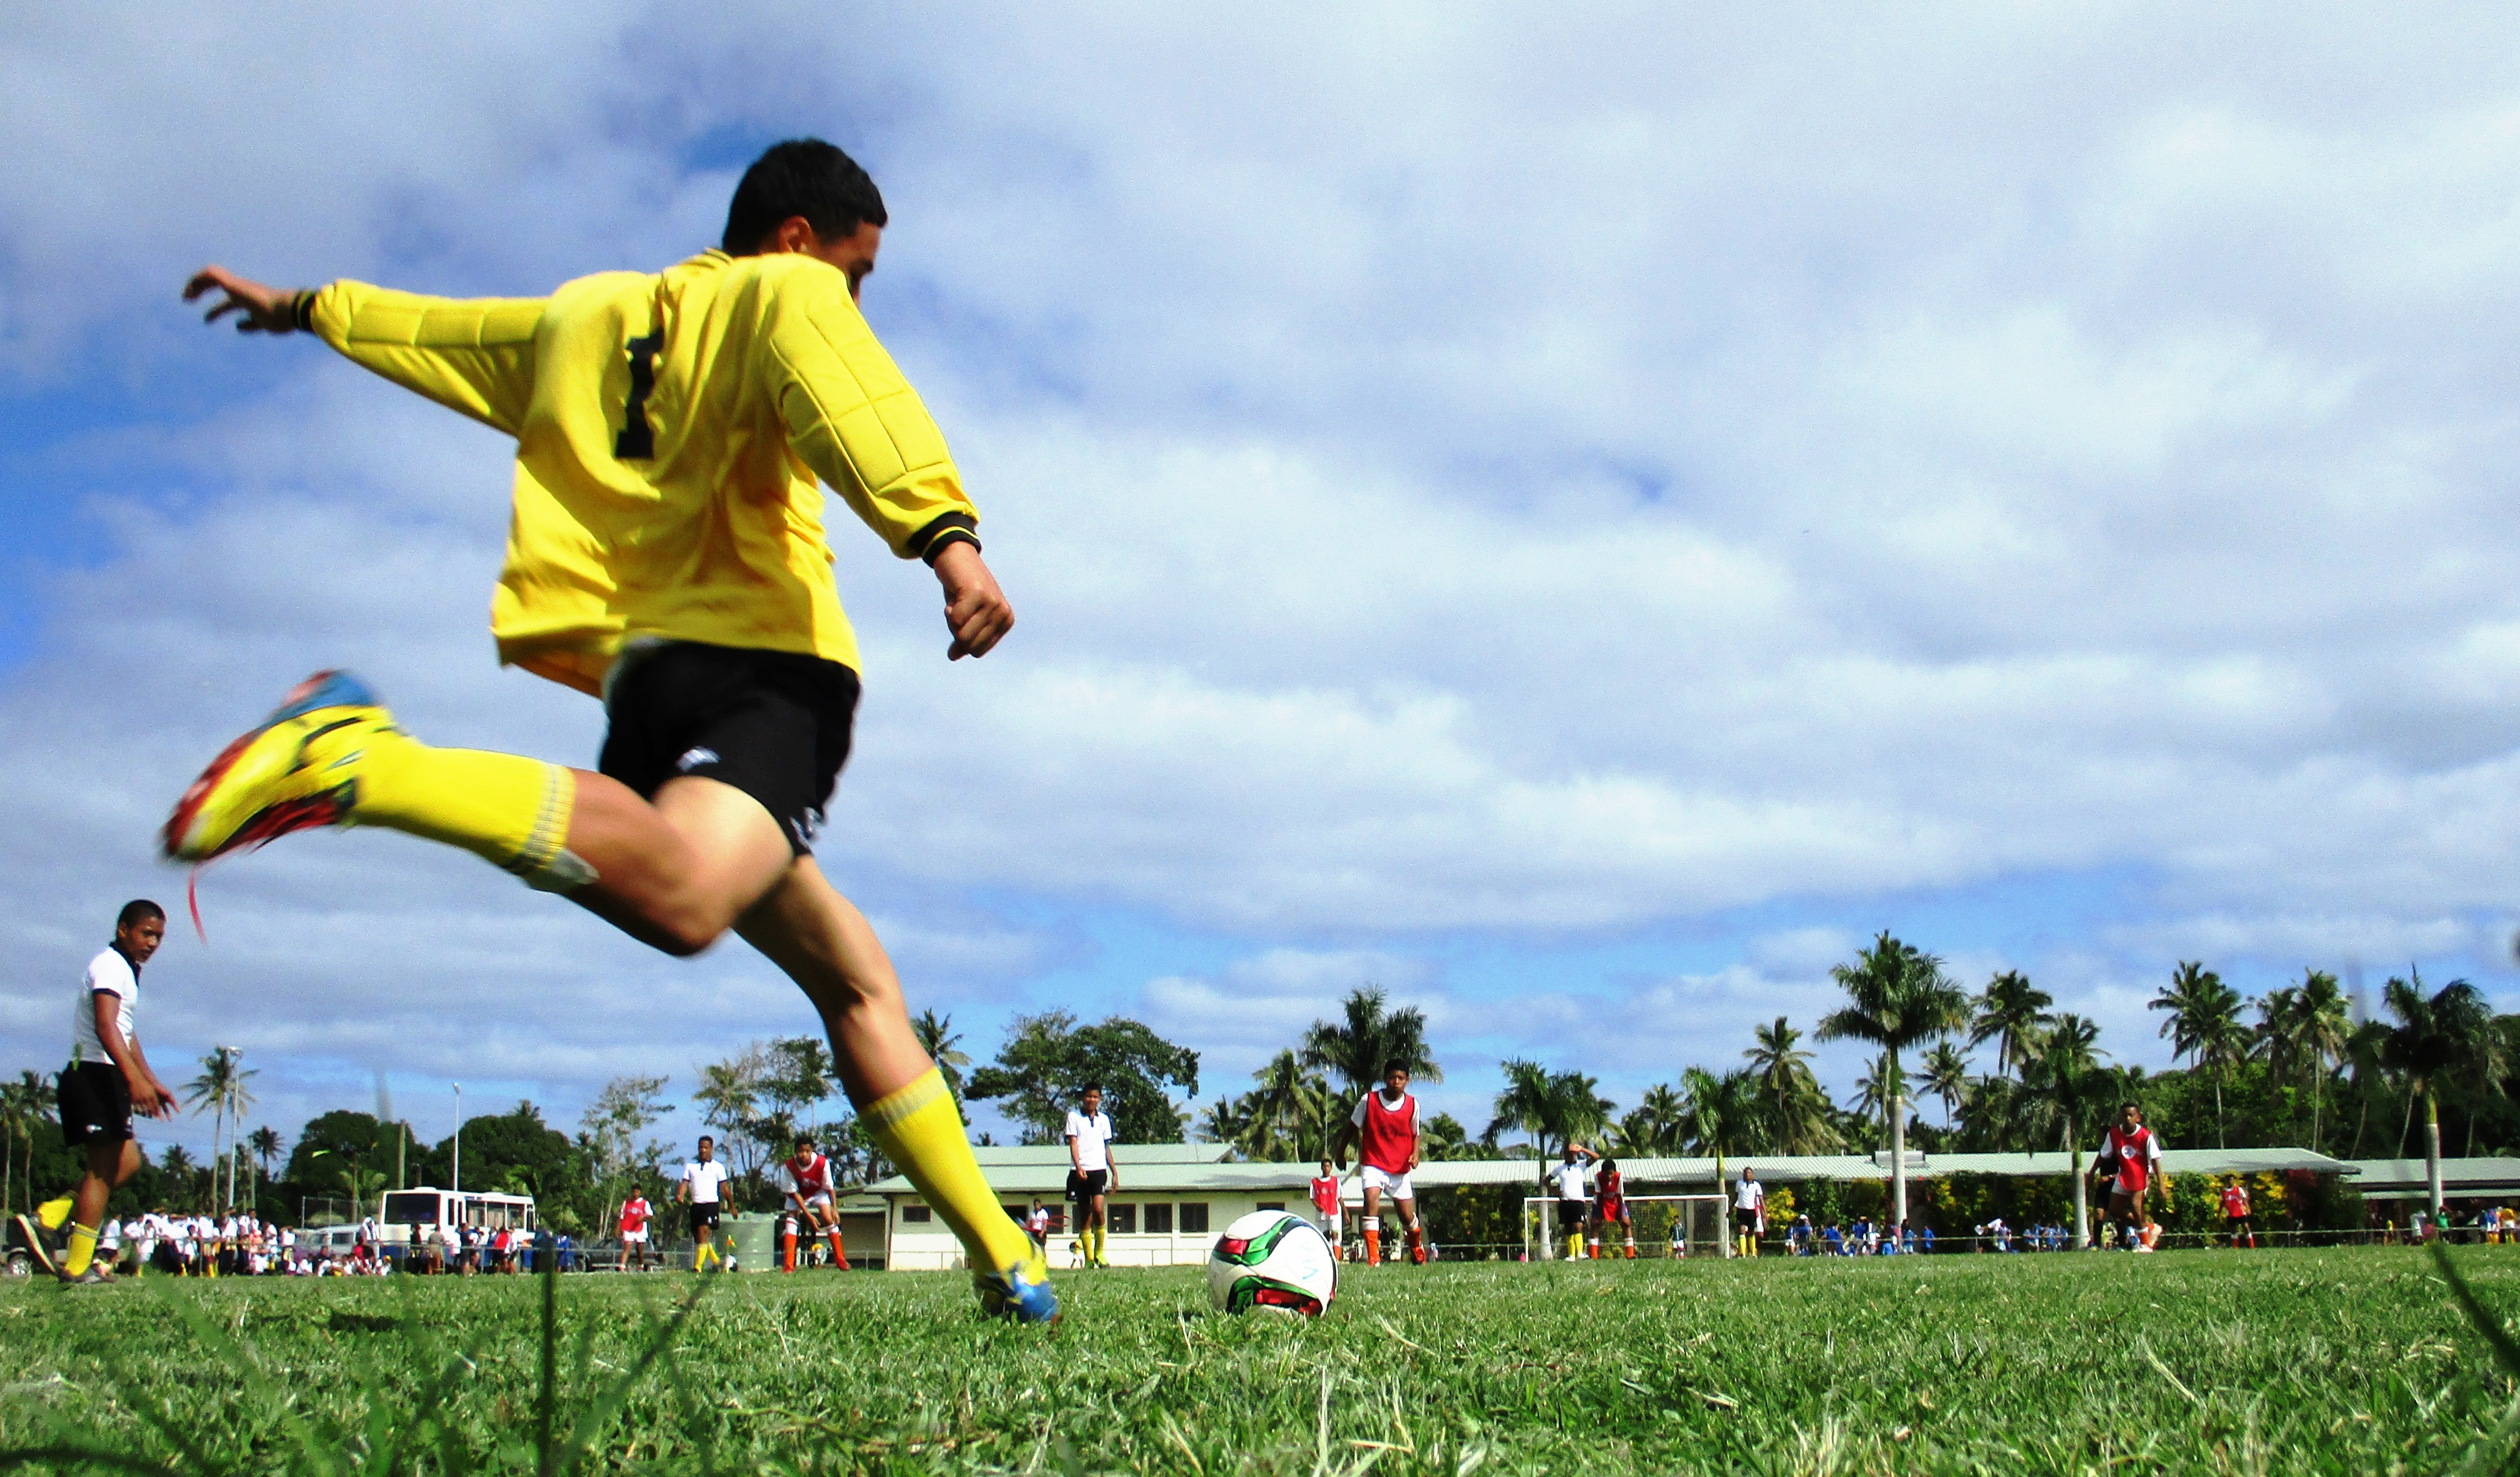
1175 1168
2459 1177
1028 1170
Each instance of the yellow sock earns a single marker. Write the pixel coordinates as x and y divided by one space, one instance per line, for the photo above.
707 1250
52 1213
922 1135
508 810
83 1250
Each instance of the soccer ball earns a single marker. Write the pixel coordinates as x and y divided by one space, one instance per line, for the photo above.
1270 1259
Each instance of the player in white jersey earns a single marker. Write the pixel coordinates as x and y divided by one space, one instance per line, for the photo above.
703 1187
1092 1176
106 1081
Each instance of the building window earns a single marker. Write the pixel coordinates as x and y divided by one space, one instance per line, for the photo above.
1271 1205
1160 1219
1193 1218
1124 1220
1058 1221
913 1215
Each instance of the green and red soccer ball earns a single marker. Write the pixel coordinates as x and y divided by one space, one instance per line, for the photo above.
1273 1260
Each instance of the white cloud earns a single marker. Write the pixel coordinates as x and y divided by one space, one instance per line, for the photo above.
1460 482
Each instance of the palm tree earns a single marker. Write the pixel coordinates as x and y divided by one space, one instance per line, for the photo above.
1994 1107
24 1105
221 1091
265 1144
2322 1024
1358 1045
2064 1085
2204 1027
1720 1116
1789 1092
2439 1036
938 1039
1946 1075
2010 1011
1877 1089
1652 1127
1295 1101
2364 1058
1897 998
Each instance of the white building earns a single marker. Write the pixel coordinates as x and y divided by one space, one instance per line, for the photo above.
1173 1200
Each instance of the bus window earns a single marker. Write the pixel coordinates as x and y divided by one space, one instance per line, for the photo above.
412 1207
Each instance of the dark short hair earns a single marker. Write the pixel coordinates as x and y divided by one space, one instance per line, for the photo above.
1395 1064
2123 1106
1091 1086
805 177
138 910
806 1138
706 1138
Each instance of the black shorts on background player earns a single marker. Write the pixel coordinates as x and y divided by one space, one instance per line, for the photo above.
772 724
95 1103
703 1218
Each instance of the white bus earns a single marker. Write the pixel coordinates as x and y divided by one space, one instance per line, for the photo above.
431 1209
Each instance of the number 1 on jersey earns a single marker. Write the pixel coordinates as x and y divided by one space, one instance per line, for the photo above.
637 439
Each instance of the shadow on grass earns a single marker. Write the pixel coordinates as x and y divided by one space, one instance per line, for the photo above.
391 1432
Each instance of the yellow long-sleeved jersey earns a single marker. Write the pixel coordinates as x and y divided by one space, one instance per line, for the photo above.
669 431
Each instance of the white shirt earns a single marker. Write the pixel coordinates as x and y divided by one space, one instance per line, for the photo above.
704 1177
112 973
1570 1179
1091 1135
1750 1195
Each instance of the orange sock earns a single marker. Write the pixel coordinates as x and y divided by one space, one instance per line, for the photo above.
1372 1242
839 1253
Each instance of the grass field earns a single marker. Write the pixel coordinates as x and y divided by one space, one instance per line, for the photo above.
2337 1360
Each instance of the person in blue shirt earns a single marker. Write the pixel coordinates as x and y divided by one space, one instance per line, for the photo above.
1924 1239
1835 1239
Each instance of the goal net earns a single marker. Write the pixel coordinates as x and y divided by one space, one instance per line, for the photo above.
1664 1226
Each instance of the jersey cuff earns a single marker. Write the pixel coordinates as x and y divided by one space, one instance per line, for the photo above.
946 528
301 310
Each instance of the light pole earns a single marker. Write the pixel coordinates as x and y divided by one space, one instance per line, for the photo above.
455 1175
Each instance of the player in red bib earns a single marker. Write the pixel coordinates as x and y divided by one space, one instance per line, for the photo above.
2235 1213
1384 1126
1610 1208
1325 1201
811 1191
635 1212
2130 1160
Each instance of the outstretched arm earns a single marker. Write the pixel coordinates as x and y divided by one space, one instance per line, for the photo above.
474 356
261 310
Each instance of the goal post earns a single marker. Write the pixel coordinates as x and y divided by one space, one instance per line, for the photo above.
1697 1220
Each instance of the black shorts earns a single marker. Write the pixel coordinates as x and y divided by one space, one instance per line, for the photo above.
703 1218
1571 1213
1085 1184
772 724
95 1103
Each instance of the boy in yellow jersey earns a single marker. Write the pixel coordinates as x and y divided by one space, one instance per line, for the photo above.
665 553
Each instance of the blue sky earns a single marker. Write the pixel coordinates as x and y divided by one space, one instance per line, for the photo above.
1581 521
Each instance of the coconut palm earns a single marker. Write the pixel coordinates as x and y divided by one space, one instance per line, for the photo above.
1556 1108
1719 1117
264 1144
1789 1092
1946 1076
220 1090
2204 1027
1298 1099
2307 1026
1897 998
2008 1011
2436 1036
26 1105
941 1042
2366 1052
1367 1036
1991 1110
1652 1127
2064 1087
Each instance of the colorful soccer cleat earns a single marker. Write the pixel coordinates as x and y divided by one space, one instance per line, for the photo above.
298 768
39 1243
1020 1292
